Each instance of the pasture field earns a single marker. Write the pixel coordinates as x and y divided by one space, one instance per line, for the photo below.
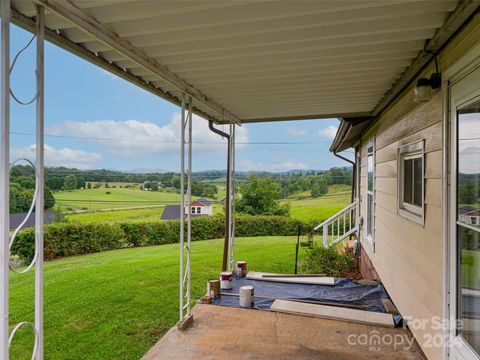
117 304
113 198
304 207
130 215
134 205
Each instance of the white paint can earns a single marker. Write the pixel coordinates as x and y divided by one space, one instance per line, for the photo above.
226 278
246 296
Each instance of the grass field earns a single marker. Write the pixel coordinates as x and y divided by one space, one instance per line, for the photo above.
304 207
134 205
117 304
95 199
131 215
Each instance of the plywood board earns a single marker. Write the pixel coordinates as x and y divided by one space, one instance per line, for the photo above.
334 313
253 275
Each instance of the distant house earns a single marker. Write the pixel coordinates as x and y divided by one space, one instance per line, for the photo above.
200 207
146 185
16 219
471 217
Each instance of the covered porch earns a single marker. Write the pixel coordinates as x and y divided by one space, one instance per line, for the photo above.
231 333
236 63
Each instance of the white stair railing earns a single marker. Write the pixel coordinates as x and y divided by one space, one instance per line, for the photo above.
339 226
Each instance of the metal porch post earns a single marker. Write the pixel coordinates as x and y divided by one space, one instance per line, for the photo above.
185 278
40 163
232 198
182 201
4 172
226 244
189 199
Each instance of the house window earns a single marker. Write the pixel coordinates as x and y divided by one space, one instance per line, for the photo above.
193 209
411 181
199 210
370 192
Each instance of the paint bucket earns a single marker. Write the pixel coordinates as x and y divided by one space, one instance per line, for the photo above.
226 280
213 288
241 268
246 296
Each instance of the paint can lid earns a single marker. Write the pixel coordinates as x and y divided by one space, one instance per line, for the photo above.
246 287
226 273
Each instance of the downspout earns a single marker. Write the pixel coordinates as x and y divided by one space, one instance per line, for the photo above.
353 173
227 198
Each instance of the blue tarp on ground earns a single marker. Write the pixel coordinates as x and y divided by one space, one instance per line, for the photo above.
345 291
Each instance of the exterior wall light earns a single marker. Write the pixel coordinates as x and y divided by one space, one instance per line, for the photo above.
424 86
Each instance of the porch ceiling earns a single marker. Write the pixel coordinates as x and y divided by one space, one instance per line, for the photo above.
251 60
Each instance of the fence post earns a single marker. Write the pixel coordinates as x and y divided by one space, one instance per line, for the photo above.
325 236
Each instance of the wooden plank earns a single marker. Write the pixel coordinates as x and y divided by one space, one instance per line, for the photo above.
389 307
293 275
317 302
330 312
253 275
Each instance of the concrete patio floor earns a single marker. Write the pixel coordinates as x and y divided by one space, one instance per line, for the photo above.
231 333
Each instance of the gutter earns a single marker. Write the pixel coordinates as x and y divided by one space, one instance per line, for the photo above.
227 198
354 169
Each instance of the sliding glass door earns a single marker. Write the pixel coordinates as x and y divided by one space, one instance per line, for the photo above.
465 218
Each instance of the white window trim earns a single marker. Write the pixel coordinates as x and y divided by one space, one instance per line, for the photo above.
412 150
370 238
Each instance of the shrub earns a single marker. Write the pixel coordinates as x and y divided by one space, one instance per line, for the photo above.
68 239
319 260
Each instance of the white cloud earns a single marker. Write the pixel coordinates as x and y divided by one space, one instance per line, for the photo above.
133 138
329 132
296 131
289 164
59 157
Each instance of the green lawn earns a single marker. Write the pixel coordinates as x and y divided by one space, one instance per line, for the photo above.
131 215
95 199
303 207
117 304
470 264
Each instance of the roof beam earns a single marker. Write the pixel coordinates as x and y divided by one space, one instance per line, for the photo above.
87 23
307 117
57 39
452 24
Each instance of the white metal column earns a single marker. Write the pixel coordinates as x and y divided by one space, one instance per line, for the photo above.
231 196
38 200
4 171
189 199
40 163
182 202
185 278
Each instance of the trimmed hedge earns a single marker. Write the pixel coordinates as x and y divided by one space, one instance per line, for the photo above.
69 239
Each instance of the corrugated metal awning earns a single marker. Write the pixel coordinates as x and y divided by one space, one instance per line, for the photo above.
251 60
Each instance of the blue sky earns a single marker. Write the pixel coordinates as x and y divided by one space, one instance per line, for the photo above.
96 120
